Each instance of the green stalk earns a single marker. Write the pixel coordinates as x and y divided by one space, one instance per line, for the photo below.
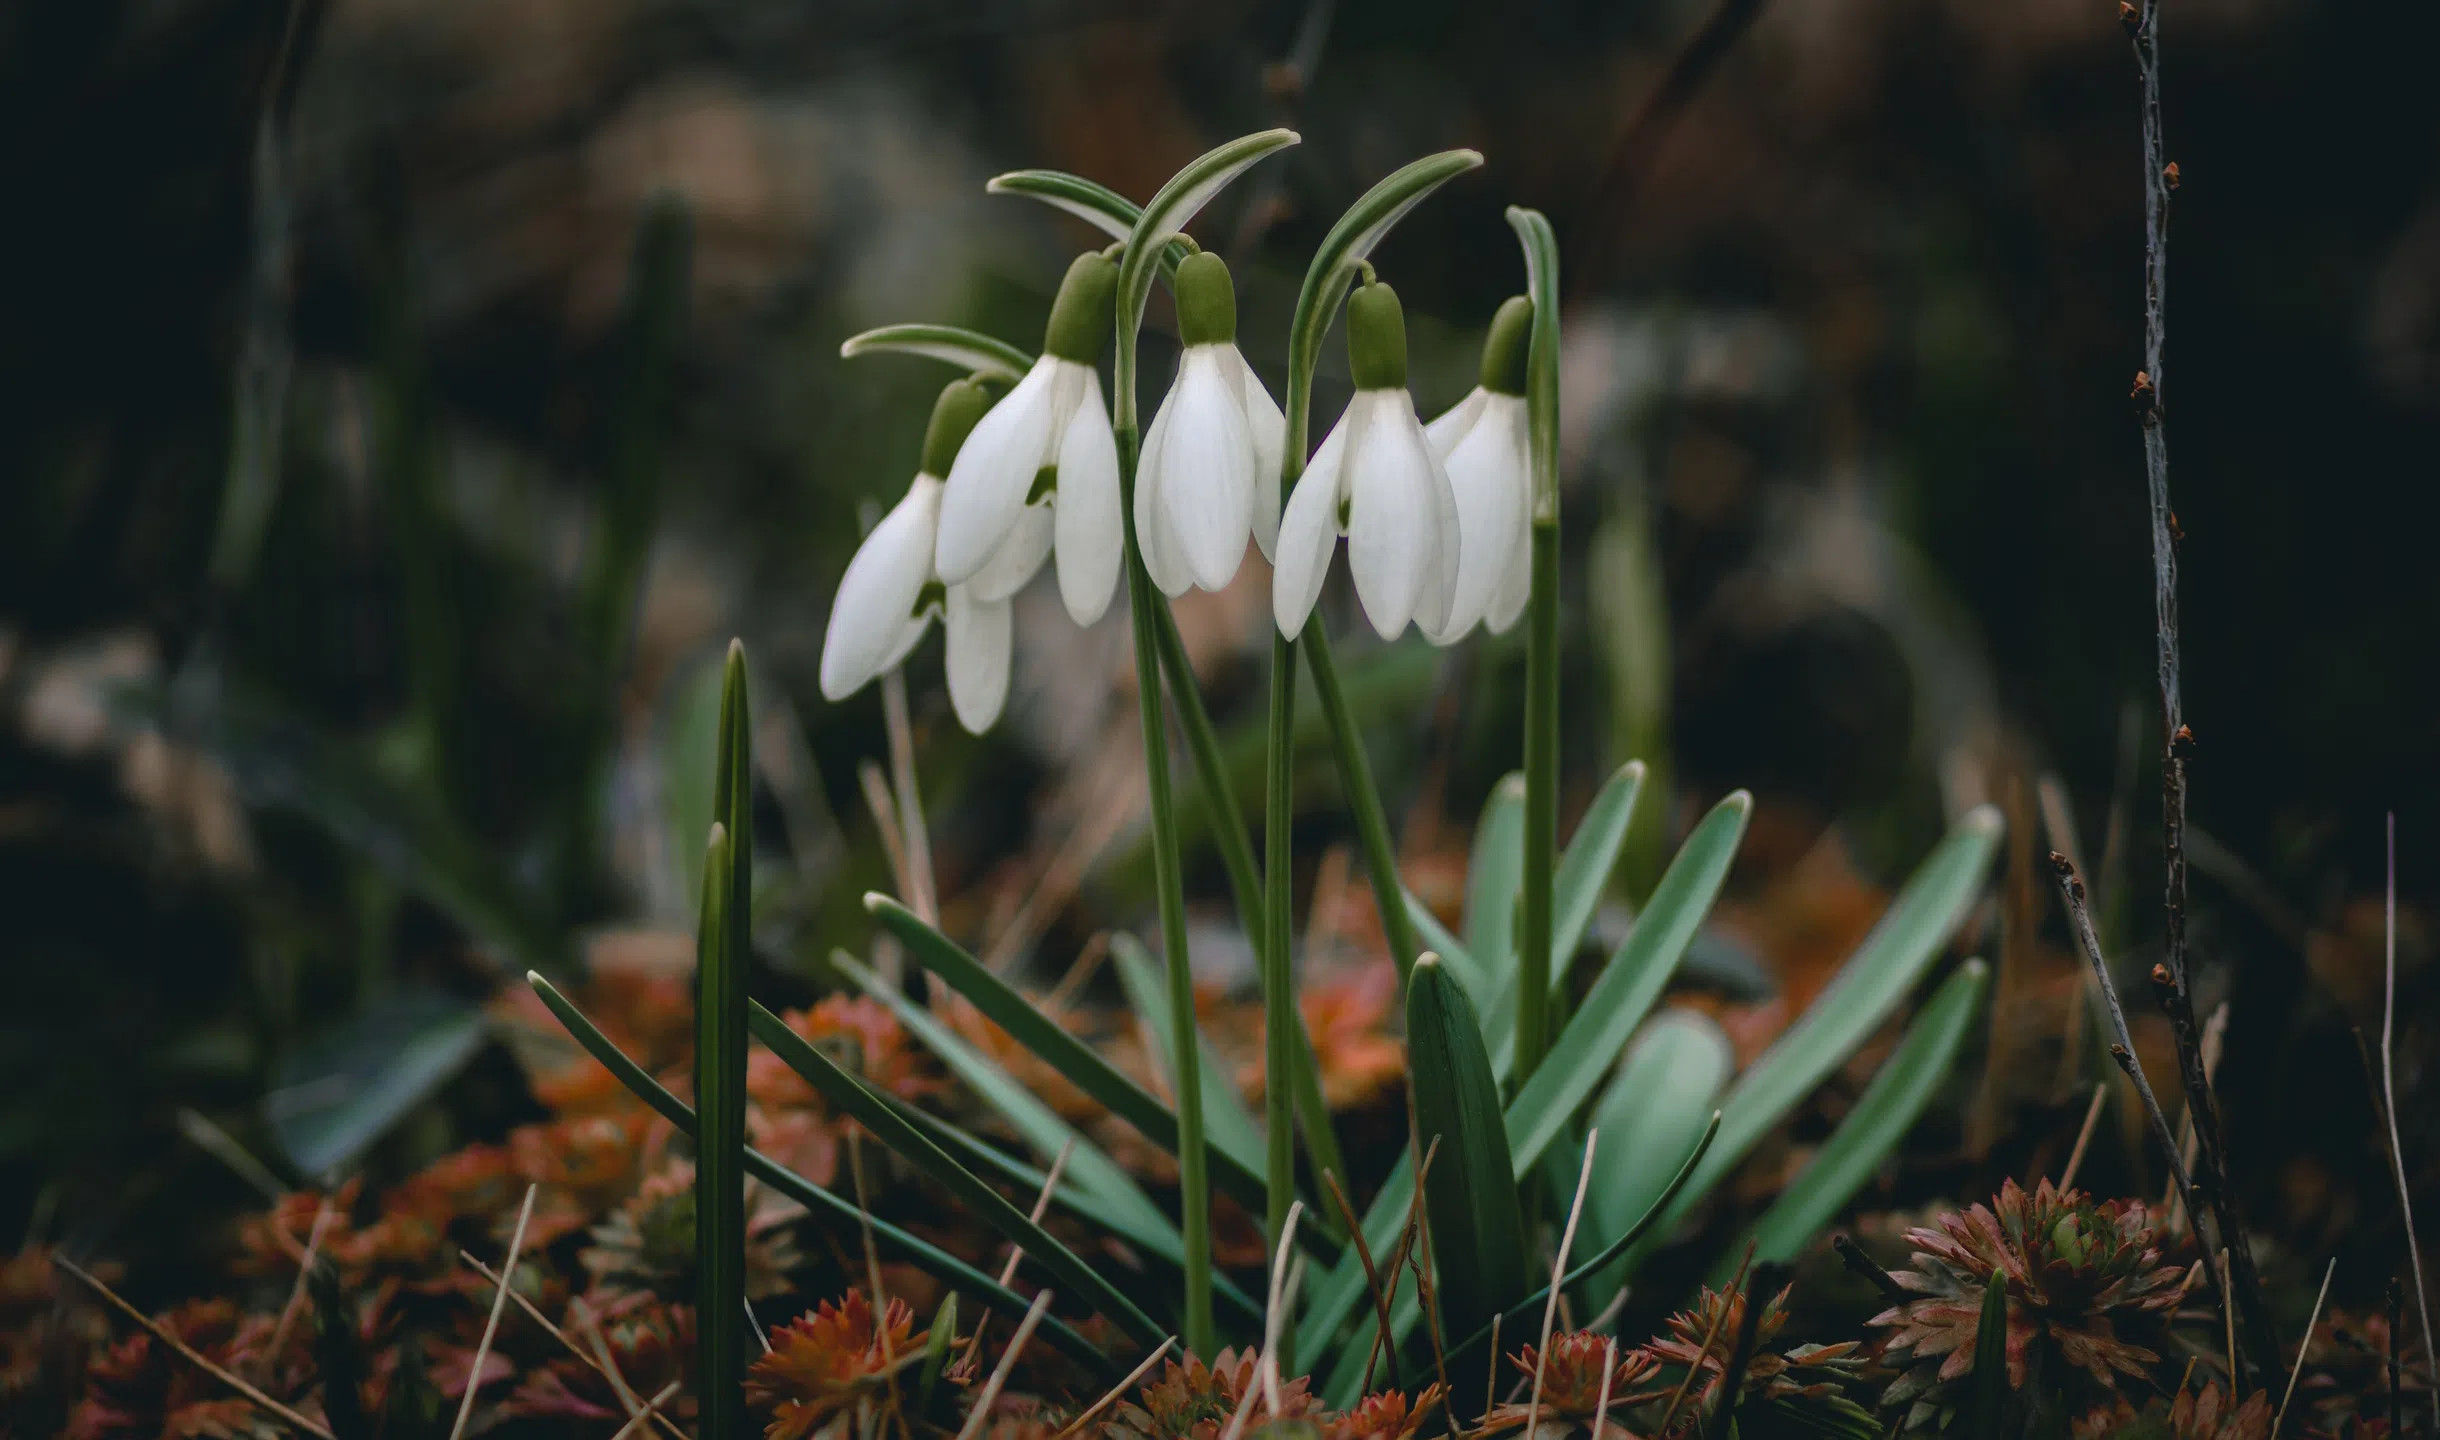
1364 799
1282 1022
1541 643
1147 241
720 1065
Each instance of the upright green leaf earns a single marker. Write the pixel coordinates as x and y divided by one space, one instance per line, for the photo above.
929 1258
849 1096
720 1142
1989 1399
1664 1094
1470 1196
1866 990
1494 870
1231 1126
1583 874
1900 1089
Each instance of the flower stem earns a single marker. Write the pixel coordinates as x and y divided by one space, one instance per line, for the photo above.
1194 1182
1364 799
1283 1023
1247 880
1534 959
1541 802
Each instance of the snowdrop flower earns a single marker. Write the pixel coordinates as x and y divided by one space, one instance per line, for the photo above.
892 589
1040 471
1209 474
1484 443
1376 481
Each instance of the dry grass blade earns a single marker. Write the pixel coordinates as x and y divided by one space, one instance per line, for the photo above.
210 1138
2304 1347
2084 1137
912 832
1711 1333
1142 1369
1275 1315
872 1255
189 1352
601 1362
2389 1093
875 786
1016 1253
1853 1257
491 1326
651 1410
1558 1274
999 1374
296 1293
1372 1273
1609 1372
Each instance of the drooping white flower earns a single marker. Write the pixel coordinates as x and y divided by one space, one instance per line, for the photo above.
892 590
1208 475
1376 481
1040 472
1485 444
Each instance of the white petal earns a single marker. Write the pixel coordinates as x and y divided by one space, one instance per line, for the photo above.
1161 558
1270 431
1488 480
1091 536
1206 482
876 600
1018 558
1451 427
994 472
980 632
1309 532
1396 550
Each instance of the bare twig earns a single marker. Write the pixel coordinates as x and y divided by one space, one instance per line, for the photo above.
883 806
1372 1275
296 1293
2177 740
2080 921
1601 1404
1093 1412
1016 1253
1767 1276
2279 1421
1491 1366
1853 1256
2084 1137
491 1327
999 1373
601 1361
1711 1333
1275 1315
210 1138
2389 1095
1558 1273
217 1372
651 1411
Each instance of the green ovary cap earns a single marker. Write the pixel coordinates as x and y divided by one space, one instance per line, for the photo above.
1376 338
1086 310
1505 347
1207 301
961 403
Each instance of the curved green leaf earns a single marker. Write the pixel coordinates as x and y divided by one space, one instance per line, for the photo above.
1900 1089
969 350
1493 872
1226 1119
848 1095
1583 873
1872 984
1542 360
925 1255
1091 201
1665 1091
1165 217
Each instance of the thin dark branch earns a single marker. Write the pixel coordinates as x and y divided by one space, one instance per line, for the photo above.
1767 1277
1639 140
2080 921
1862 1264
2177 740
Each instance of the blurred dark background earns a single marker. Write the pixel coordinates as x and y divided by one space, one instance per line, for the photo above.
400 403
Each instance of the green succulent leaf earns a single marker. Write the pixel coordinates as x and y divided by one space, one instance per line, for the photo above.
1988 1401
1900 1089
1667 1090
969 350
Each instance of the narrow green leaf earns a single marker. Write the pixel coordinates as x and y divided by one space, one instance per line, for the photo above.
1441 941
1470 1197
981 1156
1165 217
1584 872
1872 984
969 350
939 1339
1226 1120
720 1142
1629 984
1088 1165
1889 1107
1989 1395
1541 248
848 1094
1493 872
1665 1091
342 1089
1236 1172
922 1253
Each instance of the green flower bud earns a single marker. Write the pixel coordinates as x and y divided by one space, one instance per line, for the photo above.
1207 301
1085 312
1376 338
961 403
1504 348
